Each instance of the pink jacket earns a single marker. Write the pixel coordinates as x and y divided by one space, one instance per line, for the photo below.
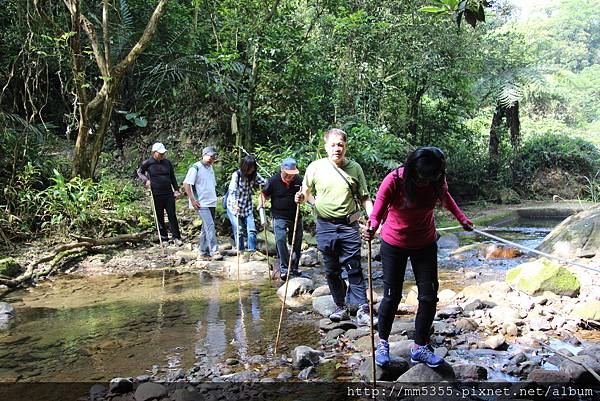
409 226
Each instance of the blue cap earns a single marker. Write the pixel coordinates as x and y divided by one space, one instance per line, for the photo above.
289 166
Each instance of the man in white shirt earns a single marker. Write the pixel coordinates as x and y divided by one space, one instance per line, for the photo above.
200 187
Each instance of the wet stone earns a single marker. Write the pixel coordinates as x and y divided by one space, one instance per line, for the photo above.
149 391
306 373
326 324
421 373
391 372
231 361
304 356
449 312
470 372
120 385
284 376
334 334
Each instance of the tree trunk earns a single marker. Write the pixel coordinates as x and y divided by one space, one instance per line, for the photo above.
95 115
414 108
251 93
514 126
494 144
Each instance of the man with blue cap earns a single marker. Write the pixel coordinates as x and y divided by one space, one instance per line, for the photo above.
282 188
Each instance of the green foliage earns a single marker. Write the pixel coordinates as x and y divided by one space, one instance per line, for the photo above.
550 151
82 206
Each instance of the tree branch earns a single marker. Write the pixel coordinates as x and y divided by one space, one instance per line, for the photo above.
139 47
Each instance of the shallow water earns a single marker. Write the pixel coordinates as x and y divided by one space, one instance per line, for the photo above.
74 328
96 328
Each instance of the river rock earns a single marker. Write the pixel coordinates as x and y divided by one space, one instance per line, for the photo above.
448 312
7 309
404 328
354 334
495 342
421 373
470 372
309 257
120 385
243 376
320 291
97 392
285 375
390 372
182 394
466 325
578 373
589 310
150 391
296 286
327 324
412 296
448 241
542 275
547 376
472 305
577 236
401 349
591 350
306 373
334 334
324 305
304 356
446 295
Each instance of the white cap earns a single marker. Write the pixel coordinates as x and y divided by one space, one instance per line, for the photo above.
158 147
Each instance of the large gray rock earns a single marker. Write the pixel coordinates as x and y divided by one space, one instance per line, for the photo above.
296 286
304 356
542 275
470 372
577 372
309 257
182 394
577 236
391 372
421 373
547 376
324 305
321 291
7 309
150 391
120 385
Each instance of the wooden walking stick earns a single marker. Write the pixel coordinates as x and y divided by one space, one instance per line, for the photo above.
287 279
264 222
162 249
237 245
369 272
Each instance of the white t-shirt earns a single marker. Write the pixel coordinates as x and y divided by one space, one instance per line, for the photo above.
202 177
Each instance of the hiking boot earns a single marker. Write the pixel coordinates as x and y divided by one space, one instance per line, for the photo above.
216 256
424 353
296 273
363 318
340 313
382 354
283 274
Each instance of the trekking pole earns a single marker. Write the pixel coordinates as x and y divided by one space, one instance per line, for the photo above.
162 249
369 271
264 222
287 279
237 246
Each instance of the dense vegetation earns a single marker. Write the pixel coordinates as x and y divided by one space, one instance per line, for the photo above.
512 101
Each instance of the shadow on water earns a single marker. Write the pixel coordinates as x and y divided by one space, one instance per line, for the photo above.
96 328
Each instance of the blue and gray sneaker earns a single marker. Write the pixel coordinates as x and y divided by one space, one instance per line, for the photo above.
424 353
382 355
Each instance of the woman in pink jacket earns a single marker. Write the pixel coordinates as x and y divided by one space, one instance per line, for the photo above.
404 207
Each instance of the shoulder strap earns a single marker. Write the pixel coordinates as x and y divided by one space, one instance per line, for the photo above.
354 196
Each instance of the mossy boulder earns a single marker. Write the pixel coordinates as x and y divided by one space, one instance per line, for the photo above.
576 236
542 275
9 267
